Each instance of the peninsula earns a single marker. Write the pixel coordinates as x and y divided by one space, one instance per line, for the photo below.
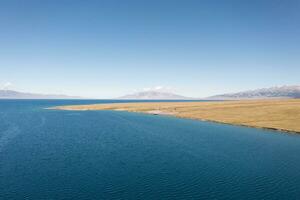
278 114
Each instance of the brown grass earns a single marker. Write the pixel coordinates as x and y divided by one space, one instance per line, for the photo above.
273 114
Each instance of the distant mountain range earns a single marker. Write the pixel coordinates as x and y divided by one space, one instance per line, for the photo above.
153 95
265 93
11 94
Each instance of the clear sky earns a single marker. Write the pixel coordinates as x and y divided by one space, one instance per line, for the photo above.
105 49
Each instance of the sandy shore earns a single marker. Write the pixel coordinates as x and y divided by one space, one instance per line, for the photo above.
283 115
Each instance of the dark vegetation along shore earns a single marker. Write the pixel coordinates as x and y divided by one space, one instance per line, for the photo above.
279 114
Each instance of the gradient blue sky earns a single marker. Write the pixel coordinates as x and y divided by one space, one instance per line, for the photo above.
105 49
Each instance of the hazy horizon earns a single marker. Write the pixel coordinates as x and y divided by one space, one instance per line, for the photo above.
107 49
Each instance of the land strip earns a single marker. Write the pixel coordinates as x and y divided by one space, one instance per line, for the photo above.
280 114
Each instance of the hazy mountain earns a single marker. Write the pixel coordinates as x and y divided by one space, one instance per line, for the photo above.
11 94
273 92
153 95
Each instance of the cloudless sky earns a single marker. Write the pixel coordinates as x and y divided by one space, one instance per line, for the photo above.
106 49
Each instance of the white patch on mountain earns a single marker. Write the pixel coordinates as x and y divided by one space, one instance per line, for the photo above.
264 93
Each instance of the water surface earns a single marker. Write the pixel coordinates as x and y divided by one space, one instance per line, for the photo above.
53 154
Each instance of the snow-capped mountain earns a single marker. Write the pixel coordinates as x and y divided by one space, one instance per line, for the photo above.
273 92
153 95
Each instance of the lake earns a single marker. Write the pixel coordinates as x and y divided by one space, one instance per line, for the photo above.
55 155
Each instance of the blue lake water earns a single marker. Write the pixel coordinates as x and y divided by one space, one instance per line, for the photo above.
51 154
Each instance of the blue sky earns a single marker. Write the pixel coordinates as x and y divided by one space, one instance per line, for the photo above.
105 49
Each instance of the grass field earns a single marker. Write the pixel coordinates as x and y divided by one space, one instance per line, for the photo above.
280 114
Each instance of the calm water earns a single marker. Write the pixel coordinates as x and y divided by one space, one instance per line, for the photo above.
47 154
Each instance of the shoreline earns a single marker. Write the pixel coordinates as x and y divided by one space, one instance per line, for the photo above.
213 121
278 115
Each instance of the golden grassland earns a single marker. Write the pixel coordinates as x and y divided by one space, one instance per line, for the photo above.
280 114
